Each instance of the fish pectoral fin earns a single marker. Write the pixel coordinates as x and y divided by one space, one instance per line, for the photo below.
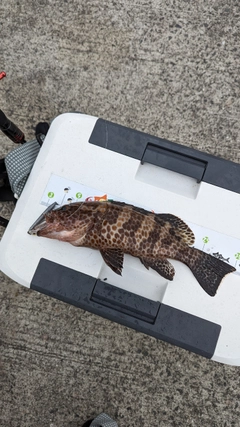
114 259
79 235
181 228
161 266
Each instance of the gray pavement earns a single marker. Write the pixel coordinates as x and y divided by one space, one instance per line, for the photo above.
168 68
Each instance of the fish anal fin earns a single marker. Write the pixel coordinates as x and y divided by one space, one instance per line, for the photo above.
161 266
180 227
114 259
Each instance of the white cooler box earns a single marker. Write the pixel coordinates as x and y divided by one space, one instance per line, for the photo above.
86 158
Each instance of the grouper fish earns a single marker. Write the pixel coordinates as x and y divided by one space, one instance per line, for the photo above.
116 228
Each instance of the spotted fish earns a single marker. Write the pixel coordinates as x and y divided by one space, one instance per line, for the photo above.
116 228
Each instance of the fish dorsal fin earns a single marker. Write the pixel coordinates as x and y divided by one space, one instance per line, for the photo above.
131 207
114 259
181 228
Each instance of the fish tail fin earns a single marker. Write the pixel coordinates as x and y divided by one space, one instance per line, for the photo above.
208 270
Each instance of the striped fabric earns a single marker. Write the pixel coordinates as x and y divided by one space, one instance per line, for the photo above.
103 420
19 163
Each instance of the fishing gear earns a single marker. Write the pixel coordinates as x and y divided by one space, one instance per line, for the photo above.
11 130
16 166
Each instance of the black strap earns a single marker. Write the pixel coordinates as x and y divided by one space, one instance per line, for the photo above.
41 131
88 423
2 166
3 222
10 129
6 194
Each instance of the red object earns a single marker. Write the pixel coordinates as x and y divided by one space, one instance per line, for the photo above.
2 75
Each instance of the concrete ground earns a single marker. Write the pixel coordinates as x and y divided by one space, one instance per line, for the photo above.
168 68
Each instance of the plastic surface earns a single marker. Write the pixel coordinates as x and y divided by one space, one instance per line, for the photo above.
174 161
161 152
159 320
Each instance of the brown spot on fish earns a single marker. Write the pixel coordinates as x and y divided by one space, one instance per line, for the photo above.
116 228
112 217
166 241
172 231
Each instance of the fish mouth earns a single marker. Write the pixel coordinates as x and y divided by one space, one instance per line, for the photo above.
35 228
41 223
